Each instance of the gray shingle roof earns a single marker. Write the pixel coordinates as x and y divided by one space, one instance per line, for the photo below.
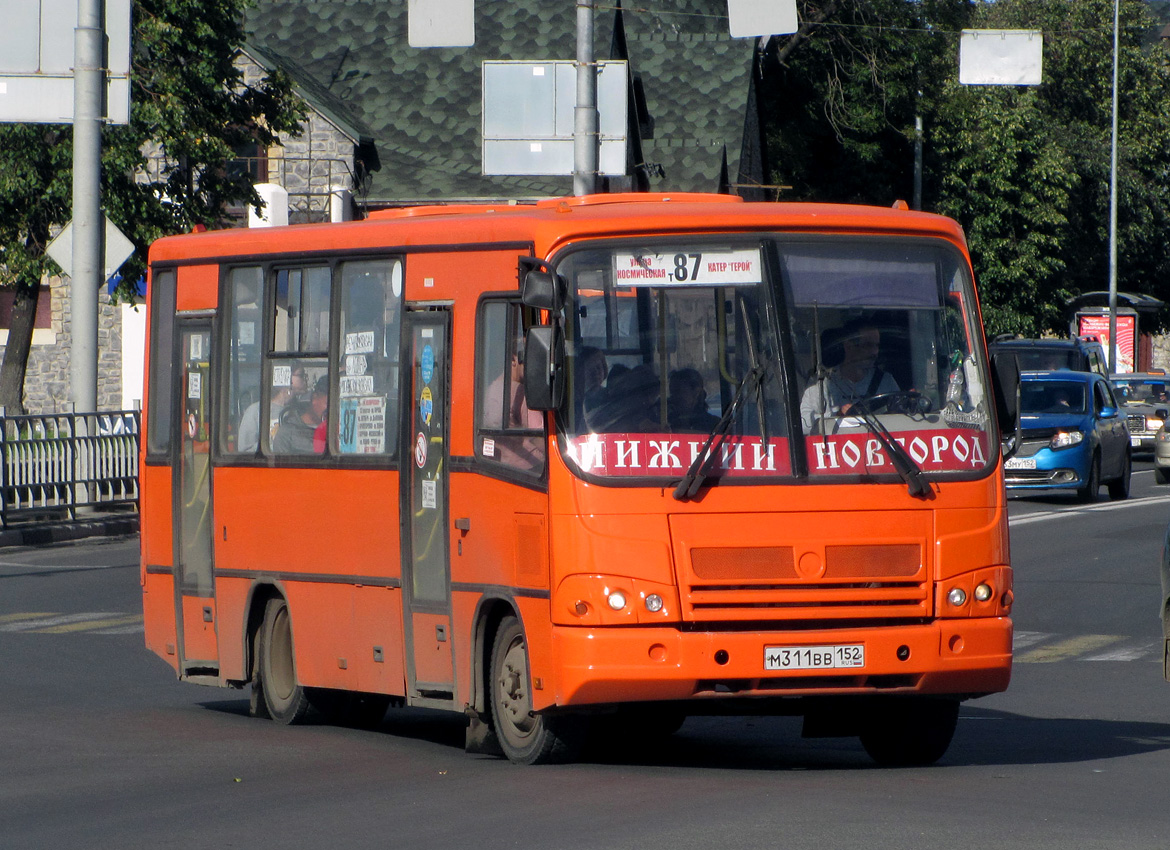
422 106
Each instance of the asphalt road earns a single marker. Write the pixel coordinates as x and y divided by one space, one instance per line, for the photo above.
100 747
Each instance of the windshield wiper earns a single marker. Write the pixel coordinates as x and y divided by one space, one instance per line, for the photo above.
909 471
697 472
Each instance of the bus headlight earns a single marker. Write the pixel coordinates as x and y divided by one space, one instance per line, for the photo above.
606 600
983 591
957 597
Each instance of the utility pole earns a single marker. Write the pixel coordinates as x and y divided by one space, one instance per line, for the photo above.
1113 205
586 123
89 80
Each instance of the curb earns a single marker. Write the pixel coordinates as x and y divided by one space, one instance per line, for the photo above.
48 534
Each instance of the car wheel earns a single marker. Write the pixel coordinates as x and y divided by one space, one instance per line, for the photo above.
1088 493
1119 488
1161 476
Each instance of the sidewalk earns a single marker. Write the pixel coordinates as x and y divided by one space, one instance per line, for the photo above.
47 533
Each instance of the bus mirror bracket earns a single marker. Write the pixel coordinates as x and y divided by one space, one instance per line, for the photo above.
541 287
1005 383
544 370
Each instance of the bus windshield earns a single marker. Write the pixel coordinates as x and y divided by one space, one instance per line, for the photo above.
804 357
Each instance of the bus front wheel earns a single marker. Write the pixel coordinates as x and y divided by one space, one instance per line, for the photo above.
911 731
525 737
275 680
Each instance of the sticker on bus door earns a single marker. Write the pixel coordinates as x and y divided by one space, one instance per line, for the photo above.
420 450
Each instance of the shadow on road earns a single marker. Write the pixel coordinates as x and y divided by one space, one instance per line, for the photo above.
984 738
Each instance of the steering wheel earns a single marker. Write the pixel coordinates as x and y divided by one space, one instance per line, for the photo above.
906 402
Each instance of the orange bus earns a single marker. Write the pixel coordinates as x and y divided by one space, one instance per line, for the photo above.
603 461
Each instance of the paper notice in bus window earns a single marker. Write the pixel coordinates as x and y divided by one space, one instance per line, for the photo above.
355 364
430 494
281 375
196 347
362 425
688 268
489 447
194 385
359 343
356 385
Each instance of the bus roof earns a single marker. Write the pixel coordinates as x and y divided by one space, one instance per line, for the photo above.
549 223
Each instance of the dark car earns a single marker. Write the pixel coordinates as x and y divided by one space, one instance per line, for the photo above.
1073 437
1078 354
1145 399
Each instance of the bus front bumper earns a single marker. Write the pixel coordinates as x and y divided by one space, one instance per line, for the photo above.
959 657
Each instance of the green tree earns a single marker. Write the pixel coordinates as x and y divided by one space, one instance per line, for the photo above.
190 111
1026 171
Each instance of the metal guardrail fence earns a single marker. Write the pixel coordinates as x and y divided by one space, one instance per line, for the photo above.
52 466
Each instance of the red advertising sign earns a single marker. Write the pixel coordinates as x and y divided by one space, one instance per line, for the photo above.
1098 326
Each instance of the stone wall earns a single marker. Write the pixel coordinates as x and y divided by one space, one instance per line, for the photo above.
47 381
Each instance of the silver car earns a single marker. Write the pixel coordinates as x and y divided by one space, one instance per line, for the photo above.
1145 400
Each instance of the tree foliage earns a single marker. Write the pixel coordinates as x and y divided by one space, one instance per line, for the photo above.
1024 170
165 172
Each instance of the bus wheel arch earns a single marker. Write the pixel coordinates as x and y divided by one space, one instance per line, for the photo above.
276 691
525 736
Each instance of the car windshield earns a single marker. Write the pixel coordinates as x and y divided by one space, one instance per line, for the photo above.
1053 359
1141 390
1038 398
778 338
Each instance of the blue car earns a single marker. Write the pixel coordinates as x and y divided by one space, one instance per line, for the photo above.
1073 437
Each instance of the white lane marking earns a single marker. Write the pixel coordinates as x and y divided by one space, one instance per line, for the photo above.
1022 640
1074 512
47 622
1126 653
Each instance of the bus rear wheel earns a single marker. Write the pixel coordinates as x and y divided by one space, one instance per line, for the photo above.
275 678
525 737
911 731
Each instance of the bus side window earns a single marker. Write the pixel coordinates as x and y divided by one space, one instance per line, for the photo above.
244 293
371 320
508 433
294 421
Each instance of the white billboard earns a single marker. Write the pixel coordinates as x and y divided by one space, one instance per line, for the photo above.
1001 57
36 61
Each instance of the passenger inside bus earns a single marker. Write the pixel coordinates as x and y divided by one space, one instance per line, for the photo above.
302 427
853 374
249 439
686 402
629 404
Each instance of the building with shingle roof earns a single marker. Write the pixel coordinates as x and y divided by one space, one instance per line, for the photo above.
414 115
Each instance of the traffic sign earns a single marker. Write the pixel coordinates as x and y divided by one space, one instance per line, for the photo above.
118 248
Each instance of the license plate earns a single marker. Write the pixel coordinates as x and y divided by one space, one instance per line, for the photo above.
834 657
1020 463
1135 441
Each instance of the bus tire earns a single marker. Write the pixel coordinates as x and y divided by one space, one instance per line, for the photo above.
911 731
276 672
525 737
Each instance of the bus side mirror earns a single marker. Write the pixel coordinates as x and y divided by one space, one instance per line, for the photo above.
1005 385
544 367
543 290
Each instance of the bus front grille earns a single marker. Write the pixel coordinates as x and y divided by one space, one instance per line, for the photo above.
845 582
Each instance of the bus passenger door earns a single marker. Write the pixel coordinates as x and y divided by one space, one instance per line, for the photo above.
194 585
426 575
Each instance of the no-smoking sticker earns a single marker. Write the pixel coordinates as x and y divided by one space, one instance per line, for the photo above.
420 450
